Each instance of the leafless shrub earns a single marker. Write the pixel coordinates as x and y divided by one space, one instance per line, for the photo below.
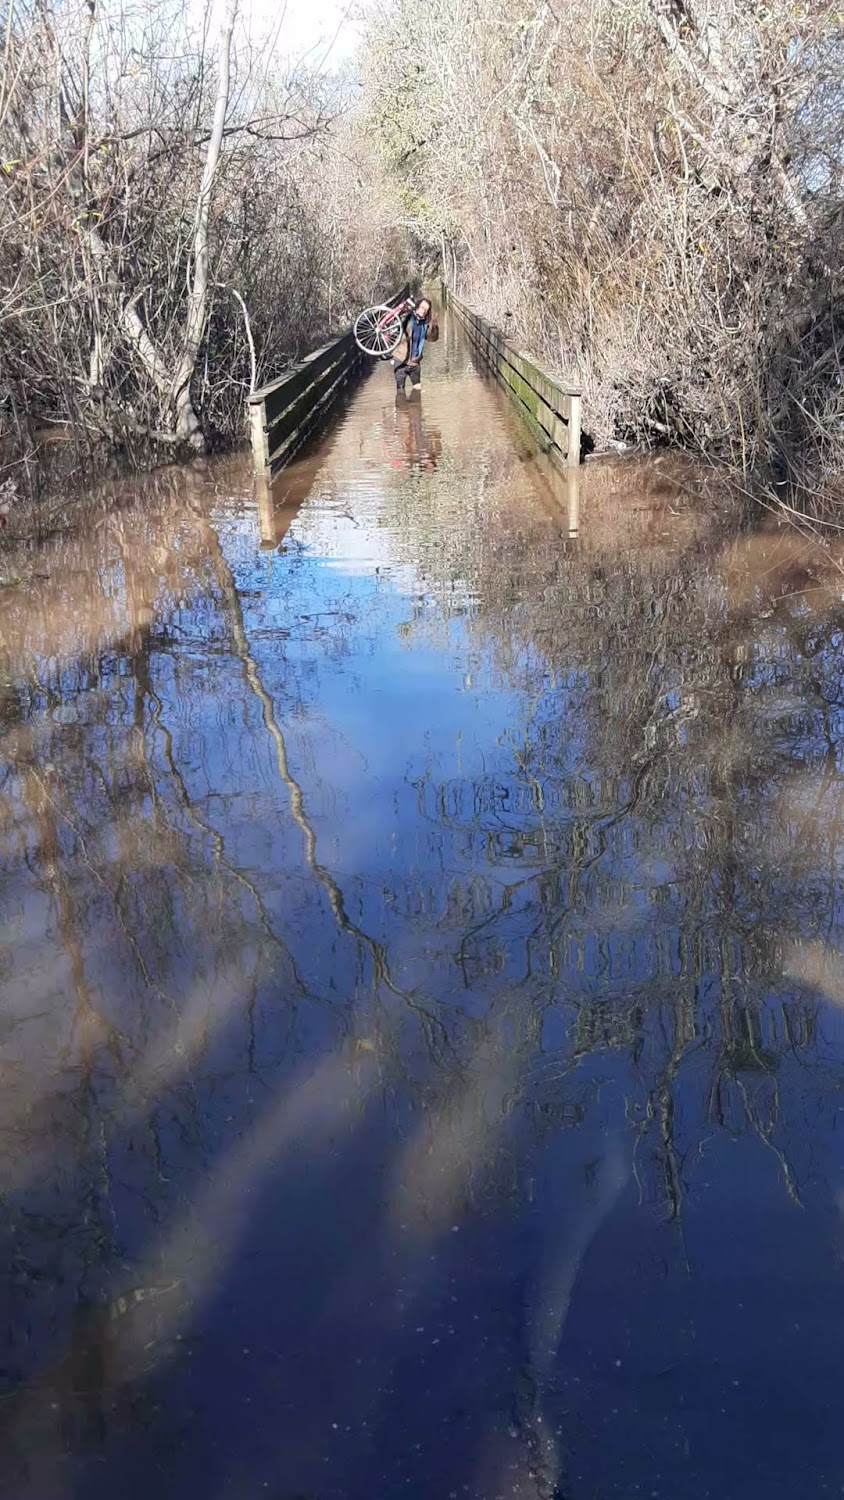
168 205
653 191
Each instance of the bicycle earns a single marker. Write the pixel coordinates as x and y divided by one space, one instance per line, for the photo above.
379 330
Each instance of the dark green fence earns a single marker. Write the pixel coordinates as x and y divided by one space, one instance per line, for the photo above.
285 413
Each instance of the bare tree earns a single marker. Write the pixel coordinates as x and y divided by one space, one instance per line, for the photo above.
181 214
187 423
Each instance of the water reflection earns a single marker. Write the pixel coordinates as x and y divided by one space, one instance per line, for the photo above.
410 442
279 501
420 935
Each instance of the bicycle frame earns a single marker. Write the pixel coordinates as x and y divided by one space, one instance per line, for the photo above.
378 330
408 305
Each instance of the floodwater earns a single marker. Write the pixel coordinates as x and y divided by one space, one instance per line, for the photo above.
420 938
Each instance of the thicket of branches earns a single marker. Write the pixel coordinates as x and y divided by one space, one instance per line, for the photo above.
169 196
653 189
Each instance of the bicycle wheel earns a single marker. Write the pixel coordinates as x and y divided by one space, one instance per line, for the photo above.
378 331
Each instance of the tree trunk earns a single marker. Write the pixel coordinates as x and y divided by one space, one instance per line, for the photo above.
187 422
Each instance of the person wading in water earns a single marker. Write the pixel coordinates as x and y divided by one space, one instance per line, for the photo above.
419 326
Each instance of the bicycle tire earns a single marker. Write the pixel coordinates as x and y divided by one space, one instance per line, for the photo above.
378 331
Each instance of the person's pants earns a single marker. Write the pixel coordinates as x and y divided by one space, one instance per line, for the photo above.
402 371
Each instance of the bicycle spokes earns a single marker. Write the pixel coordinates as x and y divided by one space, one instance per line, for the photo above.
377 331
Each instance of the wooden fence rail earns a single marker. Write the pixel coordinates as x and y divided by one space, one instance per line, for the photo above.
550 409
290 409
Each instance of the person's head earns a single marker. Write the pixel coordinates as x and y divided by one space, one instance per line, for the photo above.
423 310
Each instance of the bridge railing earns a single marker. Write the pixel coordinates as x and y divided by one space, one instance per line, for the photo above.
291 408
550 409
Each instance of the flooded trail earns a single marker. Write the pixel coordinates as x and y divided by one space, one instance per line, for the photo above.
420 945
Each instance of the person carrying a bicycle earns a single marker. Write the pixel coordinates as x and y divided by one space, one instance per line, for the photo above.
419 325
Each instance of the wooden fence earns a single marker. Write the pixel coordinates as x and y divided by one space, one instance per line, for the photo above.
551 410
290 409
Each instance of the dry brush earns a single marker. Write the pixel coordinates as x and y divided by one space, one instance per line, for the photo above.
653 190
180 215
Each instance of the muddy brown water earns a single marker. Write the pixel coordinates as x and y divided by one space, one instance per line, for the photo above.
421 1037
